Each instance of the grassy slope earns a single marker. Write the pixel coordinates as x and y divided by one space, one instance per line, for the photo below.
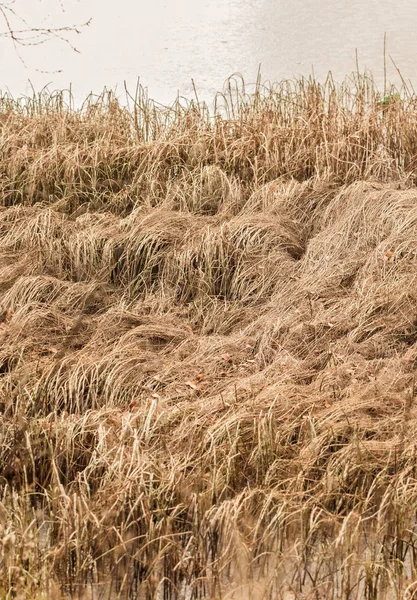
208 345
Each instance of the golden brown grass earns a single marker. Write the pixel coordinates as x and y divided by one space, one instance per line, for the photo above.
208 346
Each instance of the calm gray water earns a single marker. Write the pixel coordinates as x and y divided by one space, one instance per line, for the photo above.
168 42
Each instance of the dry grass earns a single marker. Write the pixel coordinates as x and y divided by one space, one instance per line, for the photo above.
209 345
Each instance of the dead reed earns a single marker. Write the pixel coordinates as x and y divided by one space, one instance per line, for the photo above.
208 346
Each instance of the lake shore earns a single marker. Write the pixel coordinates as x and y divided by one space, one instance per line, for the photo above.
208 348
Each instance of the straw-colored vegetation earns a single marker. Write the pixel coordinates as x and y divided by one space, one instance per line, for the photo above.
208 346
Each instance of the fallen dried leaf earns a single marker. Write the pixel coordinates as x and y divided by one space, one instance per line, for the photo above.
410 355
192 385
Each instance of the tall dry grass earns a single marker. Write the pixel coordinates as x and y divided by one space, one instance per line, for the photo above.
208 346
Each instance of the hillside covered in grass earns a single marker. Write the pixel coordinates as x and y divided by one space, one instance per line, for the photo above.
208 346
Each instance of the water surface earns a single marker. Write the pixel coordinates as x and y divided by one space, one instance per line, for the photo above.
168 42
